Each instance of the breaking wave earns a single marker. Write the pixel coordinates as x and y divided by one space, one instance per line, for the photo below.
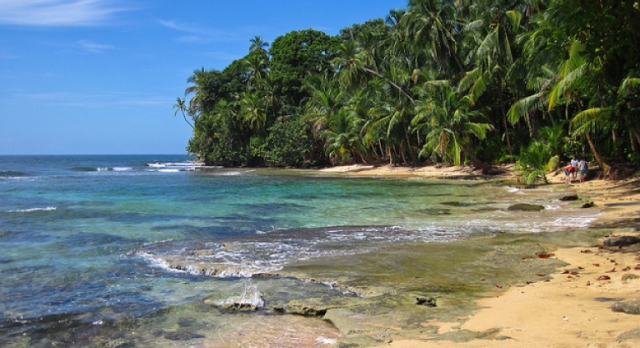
31 210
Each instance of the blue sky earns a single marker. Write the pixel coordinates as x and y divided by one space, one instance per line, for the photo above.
101 76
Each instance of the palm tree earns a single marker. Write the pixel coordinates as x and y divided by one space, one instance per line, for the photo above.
258 44
353 72
325 99
342 137
574 73
180 106
256 65
534 162
592 119
449 123
494 58
252 111
432 23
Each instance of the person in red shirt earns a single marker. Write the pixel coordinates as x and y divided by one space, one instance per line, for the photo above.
568 172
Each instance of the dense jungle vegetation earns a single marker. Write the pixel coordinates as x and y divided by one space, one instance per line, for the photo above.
468 81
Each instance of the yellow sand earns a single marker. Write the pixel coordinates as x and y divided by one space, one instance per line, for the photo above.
566 311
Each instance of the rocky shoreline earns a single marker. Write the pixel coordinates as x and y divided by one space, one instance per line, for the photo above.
570 288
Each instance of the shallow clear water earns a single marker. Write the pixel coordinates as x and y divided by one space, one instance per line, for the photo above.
93 237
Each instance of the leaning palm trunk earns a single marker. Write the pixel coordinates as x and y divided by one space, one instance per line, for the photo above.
605 167
413 155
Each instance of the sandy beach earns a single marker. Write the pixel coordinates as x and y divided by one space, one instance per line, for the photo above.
574 308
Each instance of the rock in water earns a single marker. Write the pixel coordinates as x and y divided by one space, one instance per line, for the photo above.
250 300
629 306
526 207
569 198
621 241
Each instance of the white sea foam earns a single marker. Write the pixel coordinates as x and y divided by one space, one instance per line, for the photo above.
175 164
158 262
250 297
156 165
169 170
30 210
122 169
325 341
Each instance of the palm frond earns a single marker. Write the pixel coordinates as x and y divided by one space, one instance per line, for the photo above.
488 44
523 106
469 79
473 26
479 87
514 19
587 120
626 84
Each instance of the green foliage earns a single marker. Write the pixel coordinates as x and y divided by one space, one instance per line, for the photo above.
534 162
289 144
294 56
454 81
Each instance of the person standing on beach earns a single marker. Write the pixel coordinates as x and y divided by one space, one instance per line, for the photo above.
582 166
574 164
569 171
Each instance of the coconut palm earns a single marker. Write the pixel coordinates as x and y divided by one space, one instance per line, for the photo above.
450 123
258 44
342 138
494 58
256 65
534 162
432 24
252 112
181 106
325 99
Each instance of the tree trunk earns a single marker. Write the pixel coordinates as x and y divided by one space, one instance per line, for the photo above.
504 122
391 82
605 167
413 155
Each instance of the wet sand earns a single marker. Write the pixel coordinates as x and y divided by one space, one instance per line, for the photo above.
556 302
570 310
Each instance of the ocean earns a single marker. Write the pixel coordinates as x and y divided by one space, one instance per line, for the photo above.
107 250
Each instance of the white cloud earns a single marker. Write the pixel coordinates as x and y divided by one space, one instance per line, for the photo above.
93 47
198 34
57 12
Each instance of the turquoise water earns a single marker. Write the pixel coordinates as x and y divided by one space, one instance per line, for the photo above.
89 240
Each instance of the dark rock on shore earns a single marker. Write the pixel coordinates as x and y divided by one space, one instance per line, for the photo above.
629 306
629 335
630 276
569 198
434 211
181 336
426 301
461 336
307 308
621 241
587 205
526 207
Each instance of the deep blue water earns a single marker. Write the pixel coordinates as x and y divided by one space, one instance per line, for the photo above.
83 237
